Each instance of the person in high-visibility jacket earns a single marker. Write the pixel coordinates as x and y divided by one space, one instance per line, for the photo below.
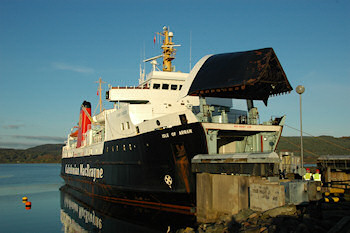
308 174
317 175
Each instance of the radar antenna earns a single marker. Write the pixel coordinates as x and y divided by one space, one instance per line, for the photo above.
168 50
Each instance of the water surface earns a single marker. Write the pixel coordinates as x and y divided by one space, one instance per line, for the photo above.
40 183
58 208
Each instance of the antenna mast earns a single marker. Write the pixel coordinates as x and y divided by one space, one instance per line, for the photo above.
168 49
99 92
190 50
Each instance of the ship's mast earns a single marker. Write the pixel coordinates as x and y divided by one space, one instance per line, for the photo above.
168 52
99 92
168 49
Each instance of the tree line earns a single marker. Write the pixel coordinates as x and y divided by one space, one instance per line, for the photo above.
313 148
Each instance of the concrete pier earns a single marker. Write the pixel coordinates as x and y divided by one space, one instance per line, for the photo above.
266 195
221 194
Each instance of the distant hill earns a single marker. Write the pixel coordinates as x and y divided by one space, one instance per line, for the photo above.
313 148
48 153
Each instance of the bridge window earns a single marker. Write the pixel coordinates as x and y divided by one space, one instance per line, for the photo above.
173 87
180 87
156 86
165 86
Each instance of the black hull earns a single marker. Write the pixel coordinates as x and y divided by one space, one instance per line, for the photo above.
134 169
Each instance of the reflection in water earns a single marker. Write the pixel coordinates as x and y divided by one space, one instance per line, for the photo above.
82 213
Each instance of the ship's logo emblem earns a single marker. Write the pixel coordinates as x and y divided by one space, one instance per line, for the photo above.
168 180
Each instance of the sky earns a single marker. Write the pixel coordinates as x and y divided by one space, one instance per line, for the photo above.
53 52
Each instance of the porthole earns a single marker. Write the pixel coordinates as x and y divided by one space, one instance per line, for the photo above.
130 147
158 123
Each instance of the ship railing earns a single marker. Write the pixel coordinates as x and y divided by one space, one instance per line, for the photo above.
97 138
93 136
67 152
228 118
130 87
73 145
239 119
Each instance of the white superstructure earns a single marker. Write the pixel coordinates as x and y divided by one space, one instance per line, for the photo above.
162 101
155 103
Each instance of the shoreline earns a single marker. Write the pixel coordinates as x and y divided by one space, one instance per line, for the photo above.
312 217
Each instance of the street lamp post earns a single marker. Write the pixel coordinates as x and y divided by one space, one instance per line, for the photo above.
300 90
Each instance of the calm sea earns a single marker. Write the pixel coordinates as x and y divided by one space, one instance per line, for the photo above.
56 208
40 183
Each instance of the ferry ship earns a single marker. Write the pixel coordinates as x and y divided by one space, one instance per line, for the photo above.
146 149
